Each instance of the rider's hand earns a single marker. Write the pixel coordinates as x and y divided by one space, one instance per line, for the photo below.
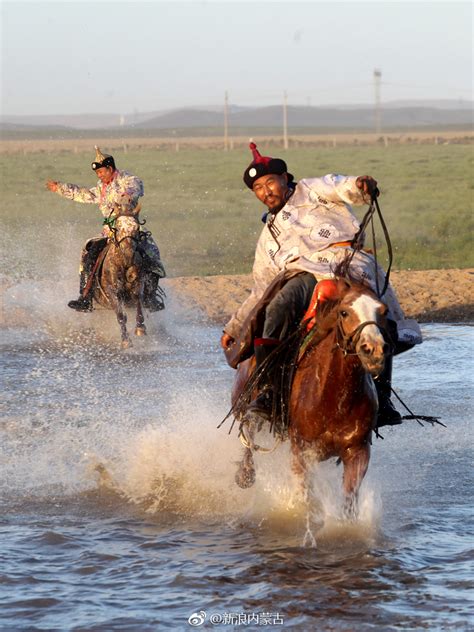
226 340
368 185
52 185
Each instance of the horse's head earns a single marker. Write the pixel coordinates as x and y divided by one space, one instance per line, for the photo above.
127 225
361 321
126 229
123 240
358 317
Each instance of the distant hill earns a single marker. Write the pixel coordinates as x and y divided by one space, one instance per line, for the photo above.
395 114
18 127
77 121
311 117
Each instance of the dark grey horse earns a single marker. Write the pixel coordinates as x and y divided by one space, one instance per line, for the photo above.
120 279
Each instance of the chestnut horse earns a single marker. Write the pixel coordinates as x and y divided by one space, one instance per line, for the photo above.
332 403
120 281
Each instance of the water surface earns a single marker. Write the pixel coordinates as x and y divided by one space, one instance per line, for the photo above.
120 511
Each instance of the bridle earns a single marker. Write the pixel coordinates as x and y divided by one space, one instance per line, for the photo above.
116 242
347 342
110 222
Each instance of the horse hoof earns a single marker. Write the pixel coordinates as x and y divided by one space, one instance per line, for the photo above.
126 344
245 477
140 331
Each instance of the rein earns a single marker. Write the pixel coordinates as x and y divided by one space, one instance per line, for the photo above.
97 264
359 242
117 242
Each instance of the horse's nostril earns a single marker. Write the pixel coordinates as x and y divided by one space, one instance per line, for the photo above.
367 349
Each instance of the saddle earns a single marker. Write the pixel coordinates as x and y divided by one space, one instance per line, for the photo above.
252 327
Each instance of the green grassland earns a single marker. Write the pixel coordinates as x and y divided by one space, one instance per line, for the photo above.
207 222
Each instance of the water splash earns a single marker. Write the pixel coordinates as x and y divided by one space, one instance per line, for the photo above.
84 416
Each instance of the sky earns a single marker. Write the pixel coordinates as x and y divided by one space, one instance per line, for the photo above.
123 57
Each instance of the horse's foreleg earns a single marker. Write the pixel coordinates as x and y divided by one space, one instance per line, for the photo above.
245 475
355 463
299 466
122 321
140 329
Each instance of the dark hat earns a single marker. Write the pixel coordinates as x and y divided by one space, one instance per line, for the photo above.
263 166
102 160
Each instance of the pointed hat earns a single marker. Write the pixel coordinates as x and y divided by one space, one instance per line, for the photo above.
102 160
263 166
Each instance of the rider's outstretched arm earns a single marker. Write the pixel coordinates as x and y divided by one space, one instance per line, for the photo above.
74 192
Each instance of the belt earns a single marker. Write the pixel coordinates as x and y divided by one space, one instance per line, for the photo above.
349 244
341 244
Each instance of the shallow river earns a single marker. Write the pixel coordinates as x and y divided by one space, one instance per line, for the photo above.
119 510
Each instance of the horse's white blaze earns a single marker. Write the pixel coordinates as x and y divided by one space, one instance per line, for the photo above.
366 308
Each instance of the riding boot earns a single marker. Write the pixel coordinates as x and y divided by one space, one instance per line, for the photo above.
151 301
262 405
387 415
83 303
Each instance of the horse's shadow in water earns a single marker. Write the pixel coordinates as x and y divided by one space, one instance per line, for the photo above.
120 277
332 403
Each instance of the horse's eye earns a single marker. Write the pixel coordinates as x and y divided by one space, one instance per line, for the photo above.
344 314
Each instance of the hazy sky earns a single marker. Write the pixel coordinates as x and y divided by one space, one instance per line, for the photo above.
77 57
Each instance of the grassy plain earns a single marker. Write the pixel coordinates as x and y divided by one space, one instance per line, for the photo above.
206 221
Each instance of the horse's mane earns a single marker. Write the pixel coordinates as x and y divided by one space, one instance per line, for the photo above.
343 270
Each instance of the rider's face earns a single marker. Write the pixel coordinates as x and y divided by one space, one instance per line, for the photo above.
272 190
105 174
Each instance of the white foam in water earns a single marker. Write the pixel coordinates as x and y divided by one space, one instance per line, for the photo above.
158 447
179 464
320 508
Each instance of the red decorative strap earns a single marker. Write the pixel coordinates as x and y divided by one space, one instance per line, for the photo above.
325 290
258 342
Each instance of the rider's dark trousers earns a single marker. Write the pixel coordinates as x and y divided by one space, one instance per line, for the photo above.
284 313
91 251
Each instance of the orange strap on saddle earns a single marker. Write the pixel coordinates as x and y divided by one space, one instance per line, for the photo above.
325 290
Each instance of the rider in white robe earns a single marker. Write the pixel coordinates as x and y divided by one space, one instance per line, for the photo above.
116 190
309 228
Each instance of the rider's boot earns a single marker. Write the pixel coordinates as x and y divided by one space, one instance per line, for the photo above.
260 408
83 303
151 301
387 415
